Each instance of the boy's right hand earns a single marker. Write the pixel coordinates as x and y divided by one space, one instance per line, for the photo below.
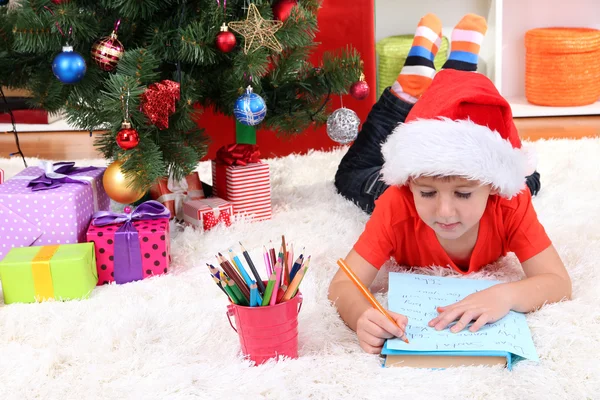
373 328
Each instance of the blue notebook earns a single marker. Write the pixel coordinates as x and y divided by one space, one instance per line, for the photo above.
417 296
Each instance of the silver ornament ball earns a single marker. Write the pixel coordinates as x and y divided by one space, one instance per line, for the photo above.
342 125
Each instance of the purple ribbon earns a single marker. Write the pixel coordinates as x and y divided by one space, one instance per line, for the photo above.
128 255
56 175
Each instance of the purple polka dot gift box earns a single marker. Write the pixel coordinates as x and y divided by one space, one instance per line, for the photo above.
131 246
51 204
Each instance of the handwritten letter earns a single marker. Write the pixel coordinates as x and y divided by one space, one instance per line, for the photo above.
418 296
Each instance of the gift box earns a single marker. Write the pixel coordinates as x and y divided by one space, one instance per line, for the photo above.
52 204
173 193
207 213
242 179
1 176
38 273
131 246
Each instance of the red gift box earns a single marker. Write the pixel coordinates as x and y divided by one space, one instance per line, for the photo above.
1 176
154 248
173 193
242 179
207 213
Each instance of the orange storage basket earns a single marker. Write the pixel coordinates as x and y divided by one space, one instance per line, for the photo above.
562 66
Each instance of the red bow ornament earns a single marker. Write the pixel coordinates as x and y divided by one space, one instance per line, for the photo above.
158 102
238 154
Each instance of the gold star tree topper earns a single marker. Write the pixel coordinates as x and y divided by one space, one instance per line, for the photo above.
257 31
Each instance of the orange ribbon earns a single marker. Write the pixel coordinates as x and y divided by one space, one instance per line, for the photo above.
42 277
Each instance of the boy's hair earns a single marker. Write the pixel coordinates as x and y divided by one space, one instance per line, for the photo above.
461 126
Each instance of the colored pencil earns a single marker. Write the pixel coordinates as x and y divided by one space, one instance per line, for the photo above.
218 282
272 254
255 295
237 292
286 270
259 282
278 274
280 293
294 270
365 292
293 287
232 273
269 290
252 295
214 270
237 262
268 266
290 258
230 293
305 264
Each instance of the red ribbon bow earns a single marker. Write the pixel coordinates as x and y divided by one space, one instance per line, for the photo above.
238 154
158 102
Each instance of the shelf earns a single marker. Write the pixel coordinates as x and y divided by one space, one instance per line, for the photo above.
502 57
522 108
57 126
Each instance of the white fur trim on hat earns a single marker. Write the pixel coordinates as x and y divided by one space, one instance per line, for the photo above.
443 147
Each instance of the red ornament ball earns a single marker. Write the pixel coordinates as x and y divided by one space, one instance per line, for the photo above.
60 1
107 52
283 8
360 90
225 40
127 137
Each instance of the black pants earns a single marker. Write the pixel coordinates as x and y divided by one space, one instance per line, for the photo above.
357 177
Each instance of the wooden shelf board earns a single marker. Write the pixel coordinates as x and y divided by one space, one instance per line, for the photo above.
522 108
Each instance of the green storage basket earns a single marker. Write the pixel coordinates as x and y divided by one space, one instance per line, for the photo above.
392 52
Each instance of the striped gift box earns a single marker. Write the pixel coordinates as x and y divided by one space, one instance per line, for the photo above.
247 187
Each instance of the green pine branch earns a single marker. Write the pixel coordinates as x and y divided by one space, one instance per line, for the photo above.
170 39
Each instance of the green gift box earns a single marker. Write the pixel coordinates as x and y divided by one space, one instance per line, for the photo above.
61 272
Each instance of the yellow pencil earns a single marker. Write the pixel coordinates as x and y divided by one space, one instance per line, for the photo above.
368 295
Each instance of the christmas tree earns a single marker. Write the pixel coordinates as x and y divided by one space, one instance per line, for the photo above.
155 64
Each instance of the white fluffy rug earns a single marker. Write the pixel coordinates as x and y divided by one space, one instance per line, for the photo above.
168 337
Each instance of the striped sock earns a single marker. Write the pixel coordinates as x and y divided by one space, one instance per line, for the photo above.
466 42
418 70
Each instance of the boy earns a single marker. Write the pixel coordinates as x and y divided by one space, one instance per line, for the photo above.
456 172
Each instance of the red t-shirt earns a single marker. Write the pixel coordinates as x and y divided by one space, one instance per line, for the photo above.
396 230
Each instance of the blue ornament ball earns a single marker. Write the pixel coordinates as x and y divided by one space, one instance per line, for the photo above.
250 109
69 66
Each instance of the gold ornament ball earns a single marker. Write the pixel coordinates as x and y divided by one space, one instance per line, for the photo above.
115 183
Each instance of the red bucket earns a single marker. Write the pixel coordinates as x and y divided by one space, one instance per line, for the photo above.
267 332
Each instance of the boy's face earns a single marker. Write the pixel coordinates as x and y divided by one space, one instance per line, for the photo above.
450 206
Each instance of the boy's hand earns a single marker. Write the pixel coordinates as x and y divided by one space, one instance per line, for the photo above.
483 307
373 328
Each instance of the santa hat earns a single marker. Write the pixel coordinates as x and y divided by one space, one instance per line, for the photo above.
460 126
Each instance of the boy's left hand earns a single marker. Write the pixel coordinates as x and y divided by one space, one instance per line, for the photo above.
487 306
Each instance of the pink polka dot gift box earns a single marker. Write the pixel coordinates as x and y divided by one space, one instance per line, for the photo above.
131 246
207 213
51 204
